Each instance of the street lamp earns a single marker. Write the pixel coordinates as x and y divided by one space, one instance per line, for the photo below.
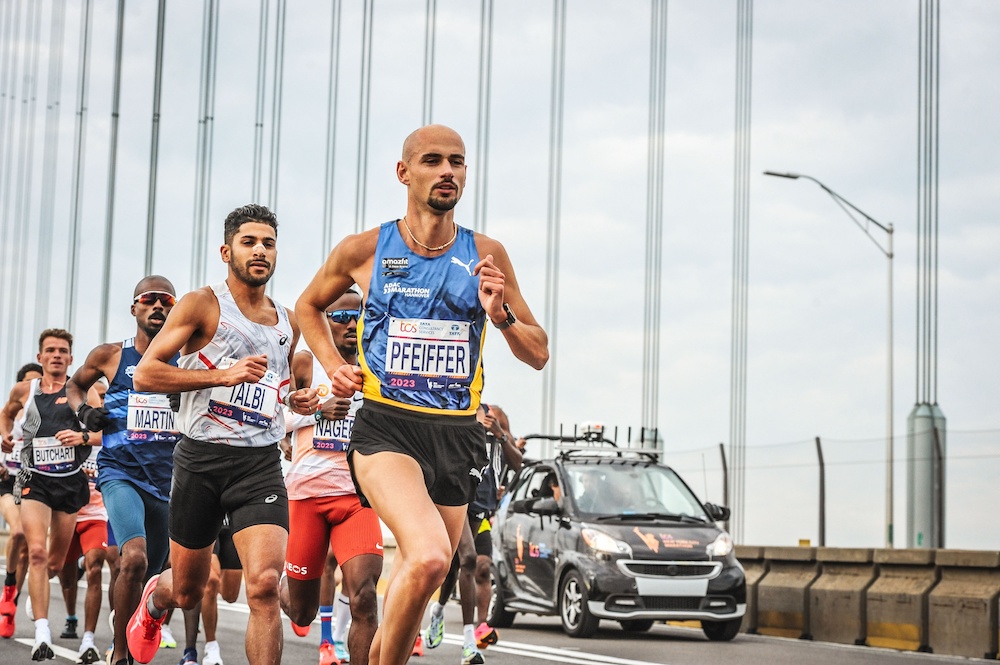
848 207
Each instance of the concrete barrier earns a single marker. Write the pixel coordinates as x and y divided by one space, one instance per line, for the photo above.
897 601
837 599
783 594
962 609
754 567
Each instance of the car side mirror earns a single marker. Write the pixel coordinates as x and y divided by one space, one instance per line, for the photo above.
717 513
545 506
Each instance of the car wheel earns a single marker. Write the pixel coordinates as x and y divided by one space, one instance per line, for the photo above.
636 625
497 615
577 621
721 631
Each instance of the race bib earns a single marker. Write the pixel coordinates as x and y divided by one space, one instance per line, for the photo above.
89 465
333 435
254 404
150 418
422 354
50 456
13 459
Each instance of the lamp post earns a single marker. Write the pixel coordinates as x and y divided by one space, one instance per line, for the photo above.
851 209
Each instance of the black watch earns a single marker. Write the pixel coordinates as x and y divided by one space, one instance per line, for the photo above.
86 436
509 321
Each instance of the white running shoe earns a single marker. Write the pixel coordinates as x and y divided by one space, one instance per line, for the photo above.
27 609
213 655
167 640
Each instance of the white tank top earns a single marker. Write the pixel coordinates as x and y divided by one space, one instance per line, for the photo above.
319 463
247 415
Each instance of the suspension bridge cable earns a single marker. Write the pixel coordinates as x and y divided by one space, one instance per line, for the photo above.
361 191
15 47
554 209
154 148
258 128
26 158
331 129
483 114
79 148
206 122
430 39
276 99
6 50
50 164
109 219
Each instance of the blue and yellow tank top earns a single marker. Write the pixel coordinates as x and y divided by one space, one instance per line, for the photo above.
422 328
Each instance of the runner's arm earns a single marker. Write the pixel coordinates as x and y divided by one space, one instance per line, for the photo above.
10 410
302 401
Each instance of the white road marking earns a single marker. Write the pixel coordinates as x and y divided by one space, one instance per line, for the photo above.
62 652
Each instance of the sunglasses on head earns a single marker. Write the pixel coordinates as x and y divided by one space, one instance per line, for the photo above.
150 297
344 315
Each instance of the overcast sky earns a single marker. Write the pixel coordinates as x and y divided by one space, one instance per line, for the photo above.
834 96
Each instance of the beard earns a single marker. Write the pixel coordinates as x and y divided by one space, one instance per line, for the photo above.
442 205
243 274
152 326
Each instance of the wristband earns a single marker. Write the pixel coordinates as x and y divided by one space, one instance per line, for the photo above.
318 416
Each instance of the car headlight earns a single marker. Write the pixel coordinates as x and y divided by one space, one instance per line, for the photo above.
602 542
721 546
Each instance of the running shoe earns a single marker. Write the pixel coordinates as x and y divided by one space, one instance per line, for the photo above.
486 635
471 655
69 632
167 640
301 631
42 651
418 647
143 631
6 626
340 649
8 604
27 609
213 655
89 656
190 657
327 654
111 622
435 631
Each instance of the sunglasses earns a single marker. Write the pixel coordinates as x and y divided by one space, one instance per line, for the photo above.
344 315
150 297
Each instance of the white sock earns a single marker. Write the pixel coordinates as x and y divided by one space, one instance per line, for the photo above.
341 616
211 646
42 632
469 632
87 642
437 609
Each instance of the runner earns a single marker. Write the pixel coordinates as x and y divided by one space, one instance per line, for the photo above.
233 375
134 463
324 510
429 287
51 485
17 549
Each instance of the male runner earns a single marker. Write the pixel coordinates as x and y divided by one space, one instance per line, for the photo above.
51 484
324 509
233 375
134 462
429 287
17 550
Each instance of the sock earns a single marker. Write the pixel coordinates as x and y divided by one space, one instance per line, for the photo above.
191 653
153 612
469 632
10 579
210 646
42 632
342 616
326 623
87 642
437 609
71 617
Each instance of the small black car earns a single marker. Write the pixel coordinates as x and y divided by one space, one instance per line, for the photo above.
613 534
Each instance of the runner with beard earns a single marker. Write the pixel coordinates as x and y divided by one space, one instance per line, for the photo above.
233 375
135 461
51 485
430 288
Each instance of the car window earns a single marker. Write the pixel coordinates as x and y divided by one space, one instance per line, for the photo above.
630 488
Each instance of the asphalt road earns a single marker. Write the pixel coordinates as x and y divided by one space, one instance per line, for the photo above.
539 639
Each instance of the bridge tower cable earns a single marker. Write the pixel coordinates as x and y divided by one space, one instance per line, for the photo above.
430 40
553 217
364 101
258 127
154 147
206 133
331 129
12 57
109 218
481 169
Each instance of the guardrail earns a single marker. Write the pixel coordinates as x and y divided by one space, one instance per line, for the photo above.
940 601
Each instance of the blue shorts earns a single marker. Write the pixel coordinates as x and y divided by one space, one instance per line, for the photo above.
135 513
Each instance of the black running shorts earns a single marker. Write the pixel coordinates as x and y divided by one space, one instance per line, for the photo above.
65 494
213 479
451 450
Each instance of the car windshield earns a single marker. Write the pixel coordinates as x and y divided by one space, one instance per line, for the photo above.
630 488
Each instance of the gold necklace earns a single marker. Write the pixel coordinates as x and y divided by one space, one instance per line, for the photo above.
430 249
